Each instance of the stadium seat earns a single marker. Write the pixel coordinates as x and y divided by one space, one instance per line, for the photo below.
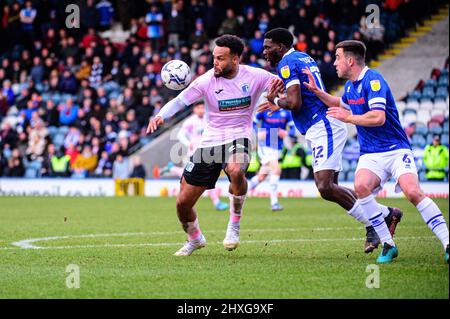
426 105
414 105
440 105
438 113
445 127
435 129
422 176
423 116
421 129
443 81
409 118
342 176
431 83
418 140
400 106
444 139
441 93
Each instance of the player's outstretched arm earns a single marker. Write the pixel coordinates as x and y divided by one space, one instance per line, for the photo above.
372 118
328 99
154 123
167 111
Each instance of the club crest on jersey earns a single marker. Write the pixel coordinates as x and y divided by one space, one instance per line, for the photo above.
245 88
285 72
375 85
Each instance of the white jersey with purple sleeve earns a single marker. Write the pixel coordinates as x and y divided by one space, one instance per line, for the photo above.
229 103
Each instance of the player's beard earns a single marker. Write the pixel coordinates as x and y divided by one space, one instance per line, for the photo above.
225 71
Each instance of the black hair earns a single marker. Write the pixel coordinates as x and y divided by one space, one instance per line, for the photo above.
232 42
280 35
354 47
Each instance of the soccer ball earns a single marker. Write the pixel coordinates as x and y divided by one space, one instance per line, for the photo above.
176 75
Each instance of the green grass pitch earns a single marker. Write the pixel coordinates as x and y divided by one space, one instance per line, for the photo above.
124 249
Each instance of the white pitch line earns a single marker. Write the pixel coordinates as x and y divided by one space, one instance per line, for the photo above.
274 241
29 243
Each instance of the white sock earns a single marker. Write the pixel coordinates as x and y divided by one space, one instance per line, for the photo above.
253 182
274 179
373 212
384 210
236 205
358 213
432 216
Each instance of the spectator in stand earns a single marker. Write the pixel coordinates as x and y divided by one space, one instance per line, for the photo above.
95 78
60 164
105 14
68 83
37 71
15 166
230 25
88 15
154 20
68 113
7 92
85 163
27 17
176 24
256 43
435 158
199 35
302 44
121 167
104 167
138 169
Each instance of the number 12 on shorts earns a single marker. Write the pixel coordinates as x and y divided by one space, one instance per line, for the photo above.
317 152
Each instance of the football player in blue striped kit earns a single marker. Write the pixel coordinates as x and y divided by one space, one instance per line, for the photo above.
325 135
386 152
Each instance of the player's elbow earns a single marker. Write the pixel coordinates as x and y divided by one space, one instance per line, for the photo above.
379 118
380 121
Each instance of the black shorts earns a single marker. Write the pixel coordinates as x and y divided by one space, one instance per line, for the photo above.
205 165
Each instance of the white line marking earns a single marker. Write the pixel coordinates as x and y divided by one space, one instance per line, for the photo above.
28 243
274 241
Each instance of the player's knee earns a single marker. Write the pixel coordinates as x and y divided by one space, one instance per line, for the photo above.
236 174
414 194
325 190
181 204
362 189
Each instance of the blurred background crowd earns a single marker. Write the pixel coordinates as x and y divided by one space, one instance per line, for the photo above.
76 101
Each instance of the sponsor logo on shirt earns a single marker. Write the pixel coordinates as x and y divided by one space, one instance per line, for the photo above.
307 60
285 72
375 85
361 100
235 104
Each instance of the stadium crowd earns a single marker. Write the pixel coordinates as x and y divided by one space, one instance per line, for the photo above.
73 102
